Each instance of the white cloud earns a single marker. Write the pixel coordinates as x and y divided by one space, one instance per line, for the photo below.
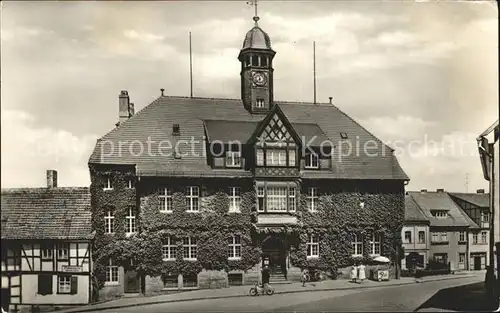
27 151
143 36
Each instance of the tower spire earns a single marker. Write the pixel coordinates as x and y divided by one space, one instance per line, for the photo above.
256 16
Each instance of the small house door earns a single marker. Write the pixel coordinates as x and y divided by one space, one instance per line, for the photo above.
477 263
131 282
5 299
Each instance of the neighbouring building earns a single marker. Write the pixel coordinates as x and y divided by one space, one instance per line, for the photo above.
449 228
203 192
477 207
415 235
46 246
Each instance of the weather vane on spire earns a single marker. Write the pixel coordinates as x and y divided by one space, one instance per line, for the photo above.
254 4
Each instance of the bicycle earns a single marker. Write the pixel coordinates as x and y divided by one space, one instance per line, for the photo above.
314 274
259 289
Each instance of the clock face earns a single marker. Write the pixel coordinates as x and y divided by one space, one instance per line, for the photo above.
259 78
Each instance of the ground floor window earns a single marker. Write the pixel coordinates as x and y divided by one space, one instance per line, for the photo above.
171 281
461 260
441 258
190 281
235 279
63 284
112 272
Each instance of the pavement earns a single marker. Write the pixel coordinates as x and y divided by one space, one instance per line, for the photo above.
243 291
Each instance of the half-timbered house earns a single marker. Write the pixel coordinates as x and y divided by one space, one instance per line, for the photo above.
46 246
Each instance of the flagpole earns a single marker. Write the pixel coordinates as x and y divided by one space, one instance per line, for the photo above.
190 66
314 69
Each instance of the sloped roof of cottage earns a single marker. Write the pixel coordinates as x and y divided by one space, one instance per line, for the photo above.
46 213
412 212
441 201
479 199
155 123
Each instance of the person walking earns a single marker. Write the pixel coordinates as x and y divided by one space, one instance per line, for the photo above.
354 273
266 274
304 277
361 273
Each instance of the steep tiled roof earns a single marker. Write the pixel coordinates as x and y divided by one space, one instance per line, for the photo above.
479 199
154 124
429 201
412 212
46 213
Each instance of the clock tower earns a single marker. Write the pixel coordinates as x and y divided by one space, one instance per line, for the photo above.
256 57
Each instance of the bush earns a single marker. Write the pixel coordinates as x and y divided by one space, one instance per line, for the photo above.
422 273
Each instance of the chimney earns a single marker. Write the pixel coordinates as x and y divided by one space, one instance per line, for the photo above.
162 91
480 191
440 190
51 178
124 105
423 190
330 98
131 110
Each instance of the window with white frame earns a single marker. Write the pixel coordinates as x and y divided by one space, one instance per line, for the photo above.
166 201
235 247
233 159
461 236
276 199
63 251
435 237
313 246
108 184
444 236
421 236
485 217
111 272
189 248
484 237
168 249
47 252
131 183
439 213
234 199
375 243
291 157
475 238
357 245
276 157
193 198
408 236
131 221
63 284
261 198
312 160
259 103
461 258
109 222
292 199
260 157
312 198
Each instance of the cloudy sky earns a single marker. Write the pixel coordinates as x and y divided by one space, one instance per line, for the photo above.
422 76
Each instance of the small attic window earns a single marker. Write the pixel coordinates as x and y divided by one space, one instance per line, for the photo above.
439 213
176 130
343 135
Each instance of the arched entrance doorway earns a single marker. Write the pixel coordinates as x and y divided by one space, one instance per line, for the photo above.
274 254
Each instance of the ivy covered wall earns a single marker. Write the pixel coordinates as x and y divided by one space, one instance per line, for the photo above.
339 216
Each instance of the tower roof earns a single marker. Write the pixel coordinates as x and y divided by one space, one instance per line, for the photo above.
256 38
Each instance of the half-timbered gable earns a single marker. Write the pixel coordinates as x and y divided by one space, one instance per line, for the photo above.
46 247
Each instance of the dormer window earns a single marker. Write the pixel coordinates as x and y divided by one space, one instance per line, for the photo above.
233 159
439 213
176 130
312 160
259 103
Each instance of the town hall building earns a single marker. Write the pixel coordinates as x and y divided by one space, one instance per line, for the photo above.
202 192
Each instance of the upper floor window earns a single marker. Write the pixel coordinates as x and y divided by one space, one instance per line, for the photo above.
108 184
234 199
484 237
166 204
131 183
291 157
421 236
313 246
357 245
189 251
312 198
131 226
407 236
292 199
109 222
260 157
475 238
444 236
62 251
261 196
312 160
233 159
375 243
259 103
168 249
47 252
235 247
485 217
193 198
276 157
276 199
461 236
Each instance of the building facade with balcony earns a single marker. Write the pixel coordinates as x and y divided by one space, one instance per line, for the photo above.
202 192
